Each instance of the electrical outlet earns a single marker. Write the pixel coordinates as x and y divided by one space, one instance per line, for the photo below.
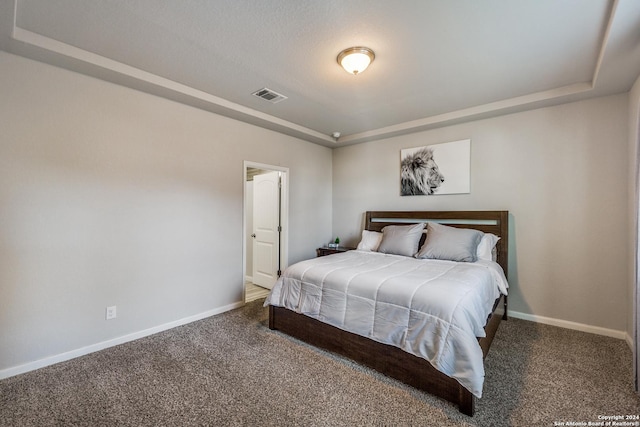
111 312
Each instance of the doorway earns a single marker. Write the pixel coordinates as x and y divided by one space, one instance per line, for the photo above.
265 214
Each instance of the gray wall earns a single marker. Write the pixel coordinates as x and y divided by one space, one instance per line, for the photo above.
109 196
561 171
634 140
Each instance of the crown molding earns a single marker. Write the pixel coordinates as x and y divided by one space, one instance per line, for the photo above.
25 43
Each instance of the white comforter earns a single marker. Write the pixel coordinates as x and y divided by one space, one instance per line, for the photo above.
432 309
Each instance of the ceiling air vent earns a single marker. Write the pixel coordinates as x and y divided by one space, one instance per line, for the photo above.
269 95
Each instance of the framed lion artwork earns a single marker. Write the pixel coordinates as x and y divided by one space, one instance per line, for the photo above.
436 169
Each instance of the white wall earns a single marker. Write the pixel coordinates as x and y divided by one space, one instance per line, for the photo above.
109 196
562 172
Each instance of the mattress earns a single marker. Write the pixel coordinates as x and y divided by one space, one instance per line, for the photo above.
433 309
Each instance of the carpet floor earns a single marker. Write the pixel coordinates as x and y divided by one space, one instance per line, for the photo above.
231 370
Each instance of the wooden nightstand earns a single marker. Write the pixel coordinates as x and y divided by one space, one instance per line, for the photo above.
325 250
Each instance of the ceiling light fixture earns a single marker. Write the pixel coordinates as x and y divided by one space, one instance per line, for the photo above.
356 59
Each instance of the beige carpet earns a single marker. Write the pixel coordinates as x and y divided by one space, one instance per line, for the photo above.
231 370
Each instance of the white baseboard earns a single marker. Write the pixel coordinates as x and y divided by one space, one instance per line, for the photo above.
572 325
52 360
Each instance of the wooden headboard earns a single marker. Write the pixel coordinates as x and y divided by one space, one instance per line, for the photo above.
495 222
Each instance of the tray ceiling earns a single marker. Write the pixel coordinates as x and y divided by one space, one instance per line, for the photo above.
437 63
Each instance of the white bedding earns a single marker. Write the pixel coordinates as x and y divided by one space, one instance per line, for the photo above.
430 308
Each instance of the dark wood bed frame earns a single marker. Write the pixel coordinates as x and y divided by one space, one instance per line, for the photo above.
389 360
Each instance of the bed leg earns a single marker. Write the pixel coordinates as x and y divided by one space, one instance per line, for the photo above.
504 315
271 320
466 405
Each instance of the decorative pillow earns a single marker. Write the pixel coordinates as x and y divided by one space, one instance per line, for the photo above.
450 243
370 240
401 239
486 247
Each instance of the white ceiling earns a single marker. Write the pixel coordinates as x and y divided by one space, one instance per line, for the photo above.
437 62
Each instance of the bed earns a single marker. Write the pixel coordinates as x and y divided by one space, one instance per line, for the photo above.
382 345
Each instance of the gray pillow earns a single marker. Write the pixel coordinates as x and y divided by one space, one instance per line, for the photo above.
450 243
401 239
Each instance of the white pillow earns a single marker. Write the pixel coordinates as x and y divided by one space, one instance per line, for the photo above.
486 247
370 240
401 239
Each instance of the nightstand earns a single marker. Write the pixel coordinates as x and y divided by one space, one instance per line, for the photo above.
325 250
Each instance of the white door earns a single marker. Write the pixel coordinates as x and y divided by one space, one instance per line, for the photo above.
266 234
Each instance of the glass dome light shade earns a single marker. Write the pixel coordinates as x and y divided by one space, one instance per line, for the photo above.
356 59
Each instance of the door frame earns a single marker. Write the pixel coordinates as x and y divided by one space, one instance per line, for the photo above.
284 215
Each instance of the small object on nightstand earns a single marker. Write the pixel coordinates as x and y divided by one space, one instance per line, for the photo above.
332 249
335 244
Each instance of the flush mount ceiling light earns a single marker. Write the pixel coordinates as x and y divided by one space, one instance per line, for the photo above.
356 59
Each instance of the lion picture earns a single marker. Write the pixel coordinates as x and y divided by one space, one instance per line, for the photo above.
419 173
435 169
